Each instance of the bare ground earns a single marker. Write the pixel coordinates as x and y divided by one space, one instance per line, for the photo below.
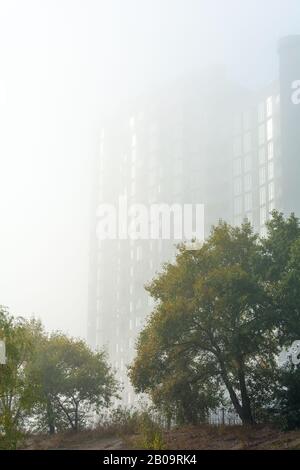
197 437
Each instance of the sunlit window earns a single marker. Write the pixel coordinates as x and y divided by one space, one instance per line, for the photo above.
270 150
271 170
271 191
270 129
269 106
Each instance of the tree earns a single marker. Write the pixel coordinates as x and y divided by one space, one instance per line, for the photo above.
281 257
72 381
17 392
213 310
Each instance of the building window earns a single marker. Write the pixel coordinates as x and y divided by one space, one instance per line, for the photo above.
270 129
271 170
248 202
237 147
247 163
133 140
263 215
237 167
247 120
261 156
261 134
249 217
262 196
270 150
247 142
269 106
237 186
248 182
271 191
261 112
238 205
262 175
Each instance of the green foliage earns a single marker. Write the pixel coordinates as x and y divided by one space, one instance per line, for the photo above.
213 328
72 382
150 434
286 411
17 392
49 382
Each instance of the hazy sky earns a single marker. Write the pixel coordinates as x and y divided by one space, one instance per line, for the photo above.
62 65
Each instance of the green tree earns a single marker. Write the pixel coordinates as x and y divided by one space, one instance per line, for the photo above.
17 392
214 312
281 257
72 382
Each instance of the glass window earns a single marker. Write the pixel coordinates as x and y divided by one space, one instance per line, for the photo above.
237 186
261 112
263 215
238 205
261 134
262 196
270 129
237 167
271 191
248 202
262 175
261 155
247 120
247 142
269 106
270 150
247 163
237 147
271 170
248 182
249 217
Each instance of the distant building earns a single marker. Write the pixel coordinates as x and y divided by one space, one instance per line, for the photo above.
173 148
266 145
200 141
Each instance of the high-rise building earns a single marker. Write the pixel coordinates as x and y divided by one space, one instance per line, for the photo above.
201 141
266 145
171 148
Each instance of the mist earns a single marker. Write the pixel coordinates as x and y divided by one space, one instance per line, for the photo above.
66 65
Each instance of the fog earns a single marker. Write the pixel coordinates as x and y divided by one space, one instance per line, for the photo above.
66 64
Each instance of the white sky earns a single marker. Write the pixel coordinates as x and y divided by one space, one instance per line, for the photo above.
62 65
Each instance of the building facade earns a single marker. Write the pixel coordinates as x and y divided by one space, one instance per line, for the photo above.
266 145
203 141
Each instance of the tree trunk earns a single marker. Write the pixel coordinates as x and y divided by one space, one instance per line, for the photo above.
50 418
247 417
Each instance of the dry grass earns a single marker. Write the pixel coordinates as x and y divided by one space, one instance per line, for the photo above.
231 437
204 437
